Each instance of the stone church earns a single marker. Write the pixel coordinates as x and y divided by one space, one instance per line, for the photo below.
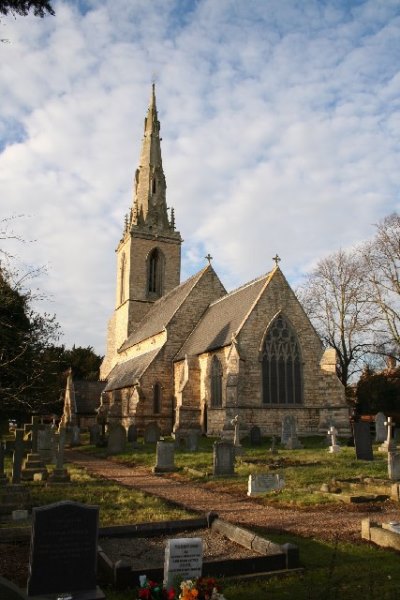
192 356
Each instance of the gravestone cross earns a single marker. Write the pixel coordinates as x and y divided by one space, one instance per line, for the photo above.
389 445
19 448
334 447
33 428
60 474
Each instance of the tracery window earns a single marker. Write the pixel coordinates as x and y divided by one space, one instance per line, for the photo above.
216 382
282 371
157 398
155 274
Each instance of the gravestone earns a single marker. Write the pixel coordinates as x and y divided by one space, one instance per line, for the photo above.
183 560
3 476
380 428
394 466
192 441
165 453
9 591
19 448
263 483
255 436
132 434
116 440
363 440
45 443
389 445
60 473
94 434
34 466
63 553
287 426
223 459
152 433
75 436
334 446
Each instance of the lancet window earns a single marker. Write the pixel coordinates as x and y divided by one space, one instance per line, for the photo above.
216 382
282 371
155 273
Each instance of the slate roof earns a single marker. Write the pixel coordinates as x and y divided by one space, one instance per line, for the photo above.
162 311
87 395
222 319
125 374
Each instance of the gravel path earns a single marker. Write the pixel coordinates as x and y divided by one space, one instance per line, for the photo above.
342 521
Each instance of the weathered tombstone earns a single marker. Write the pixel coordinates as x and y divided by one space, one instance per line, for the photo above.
94 434
183 560
394 466
334 446
192 441
263 483
63 554
152 433
389 445
19 448
380 428
116 440
287 427
273 449
255 436
363 440
75 436
45 443
132 434
223 459
9 591
165 453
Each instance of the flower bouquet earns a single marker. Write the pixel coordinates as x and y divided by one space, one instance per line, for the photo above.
203 588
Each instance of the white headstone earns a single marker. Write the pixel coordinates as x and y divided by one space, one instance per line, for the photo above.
262 483
183 559
334 447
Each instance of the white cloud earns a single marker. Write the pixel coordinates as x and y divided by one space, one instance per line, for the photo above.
280 123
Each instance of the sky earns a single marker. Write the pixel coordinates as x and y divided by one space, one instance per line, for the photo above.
280 124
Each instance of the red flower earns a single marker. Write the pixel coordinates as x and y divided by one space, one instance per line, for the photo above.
171 594
144 594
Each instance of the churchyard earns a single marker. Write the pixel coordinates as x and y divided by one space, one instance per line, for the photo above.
312 476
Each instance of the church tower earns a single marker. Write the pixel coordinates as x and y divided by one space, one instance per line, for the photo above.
149 252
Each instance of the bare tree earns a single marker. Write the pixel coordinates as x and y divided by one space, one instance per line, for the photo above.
382 259
336 297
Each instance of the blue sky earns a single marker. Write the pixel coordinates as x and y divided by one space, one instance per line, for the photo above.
281 134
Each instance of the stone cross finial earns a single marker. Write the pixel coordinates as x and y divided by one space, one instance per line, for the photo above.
209 258
277 259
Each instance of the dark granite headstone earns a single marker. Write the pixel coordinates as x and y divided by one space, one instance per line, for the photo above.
63 554
152 433
132 434
363 441
223 459
255 436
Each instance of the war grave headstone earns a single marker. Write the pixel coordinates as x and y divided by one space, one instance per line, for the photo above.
183 559
116 440
389 445
9 591
223 459
255 436
165 454
263 483
334 446
63 553
380 428
363 440
60 474
152 433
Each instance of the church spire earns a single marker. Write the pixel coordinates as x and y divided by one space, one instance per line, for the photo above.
149 203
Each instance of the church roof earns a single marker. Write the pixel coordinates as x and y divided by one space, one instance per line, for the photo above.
125 374
162 311
223 319
87 395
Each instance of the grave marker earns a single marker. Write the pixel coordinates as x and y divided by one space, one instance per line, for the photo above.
183 559
389 445
380 428
263 483
116 440
63 554
334 447
165 453
151 433
223 459
363 440
255 436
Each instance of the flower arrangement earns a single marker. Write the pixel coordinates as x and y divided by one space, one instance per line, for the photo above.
203 588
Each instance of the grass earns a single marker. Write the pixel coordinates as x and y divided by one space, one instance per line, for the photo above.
332 571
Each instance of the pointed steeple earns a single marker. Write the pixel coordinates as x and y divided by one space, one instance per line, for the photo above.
149 202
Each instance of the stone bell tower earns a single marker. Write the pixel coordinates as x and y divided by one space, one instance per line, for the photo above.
149 252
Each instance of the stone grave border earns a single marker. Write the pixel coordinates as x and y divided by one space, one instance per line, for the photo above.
273 558
381 535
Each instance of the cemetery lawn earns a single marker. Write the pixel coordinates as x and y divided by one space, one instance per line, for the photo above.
304 470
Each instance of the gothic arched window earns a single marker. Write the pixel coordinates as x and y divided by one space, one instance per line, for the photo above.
216 382
282 372
157 398
155 273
